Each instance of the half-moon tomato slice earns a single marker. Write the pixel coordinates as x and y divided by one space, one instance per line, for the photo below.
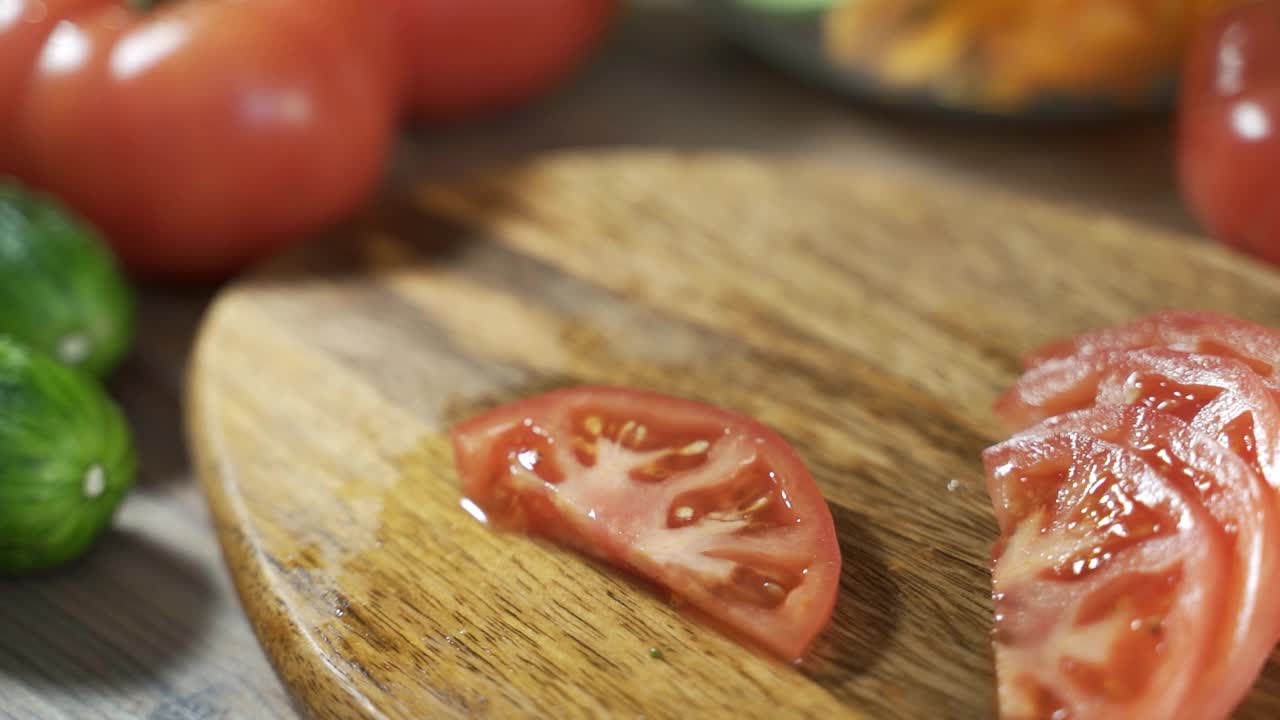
1108 587
1194 331
1220 397
1241 504
709 504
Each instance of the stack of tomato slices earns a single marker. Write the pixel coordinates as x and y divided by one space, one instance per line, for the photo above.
1139 555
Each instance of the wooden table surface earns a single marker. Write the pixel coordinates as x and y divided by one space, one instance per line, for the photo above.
149 626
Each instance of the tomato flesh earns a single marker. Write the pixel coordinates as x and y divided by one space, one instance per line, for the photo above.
1105 587
1203 332
710 504
1220 397
1243 508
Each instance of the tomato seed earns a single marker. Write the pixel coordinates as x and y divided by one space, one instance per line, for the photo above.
697 447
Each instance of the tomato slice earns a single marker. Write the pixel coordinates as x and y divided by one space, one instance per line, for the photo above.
1243 508
709 504
1220 397
1107 588
1203 332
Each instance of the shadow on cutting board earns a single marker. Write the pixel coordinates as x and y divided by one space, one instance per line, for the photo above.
867 611
119 617
394 233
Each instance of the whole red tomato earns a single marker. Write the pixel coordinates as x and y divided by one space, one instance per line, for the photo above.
467 57
198 134
1229 117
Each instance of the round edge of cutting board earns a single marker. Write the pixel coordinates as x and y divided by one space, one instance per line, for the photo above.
316 689
283 636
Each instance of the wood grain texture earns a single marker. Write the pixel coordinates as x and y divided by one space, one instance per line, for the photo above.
710 95
870 319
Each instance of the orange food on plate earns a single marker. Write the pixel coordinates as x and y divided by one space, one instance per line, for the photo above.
1004 54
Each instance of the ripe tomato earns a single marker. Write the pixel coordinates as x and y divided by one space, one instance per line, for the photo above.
1203 332
1107 588
198 135
477 56
1219 397
1229 117
1243 508
712 505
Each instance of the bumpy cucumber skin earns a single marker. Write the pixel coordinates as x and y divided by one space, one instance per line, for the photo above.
56 423
61 290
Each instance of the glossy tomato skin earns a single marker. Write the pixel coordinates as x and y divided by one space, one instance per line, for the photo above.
464 59
1218 396
1193 331
1229 117
24 25
1243 507
708 503
1108 584
199 135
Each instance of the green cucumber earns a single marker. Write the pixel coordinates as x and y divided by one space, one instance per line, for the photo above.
61 290
67 460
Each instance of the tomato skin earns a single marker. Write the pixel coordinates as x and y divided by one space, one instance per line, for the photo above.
199 136
1090 621
1240 502
1192 331
571 465
1182 407
464 59
1219 396
1229 117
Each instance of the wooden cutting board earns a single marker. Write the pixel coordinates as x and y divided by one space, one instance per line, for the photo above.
871 320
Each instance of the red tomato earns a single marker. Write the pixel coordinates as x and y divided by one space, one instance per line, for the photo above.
1108 587
478 56
199 135
1203 332
1219 397
712 505
1244 510
1229 117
